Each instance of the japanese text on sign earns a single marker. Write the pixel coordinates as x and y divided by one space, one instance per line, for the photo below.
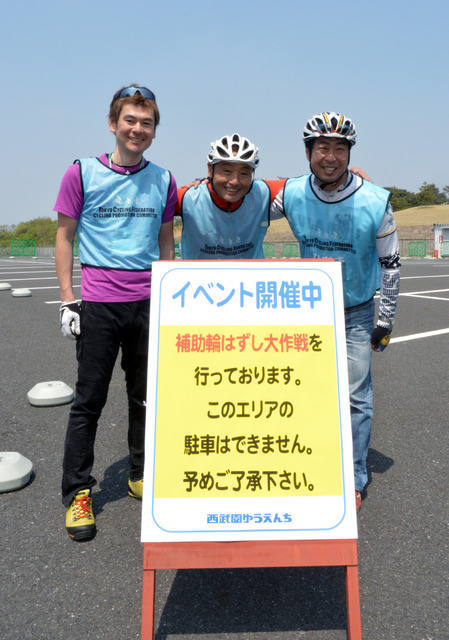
216 343
266 294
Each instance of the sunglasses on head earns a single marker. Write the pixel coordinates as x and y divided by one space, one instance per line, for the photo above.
131 91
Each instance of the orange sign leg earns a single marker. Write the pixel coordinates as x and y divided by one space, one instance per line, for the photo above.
238 555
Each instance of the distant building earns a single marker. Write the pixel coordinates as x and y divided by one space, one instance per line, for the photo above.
441 240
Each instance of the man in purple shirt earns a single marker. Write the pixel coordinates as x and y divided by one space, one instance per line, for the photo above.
121 208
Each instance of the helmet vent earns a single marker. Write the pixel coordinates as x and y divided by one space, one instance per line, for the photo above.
234 148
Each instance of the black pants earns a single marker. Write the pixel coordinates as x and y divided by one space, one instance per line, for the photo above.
105 328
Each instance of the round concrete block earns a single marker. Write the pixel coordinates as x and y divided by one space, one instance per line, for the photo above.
21 293
50 394
15 471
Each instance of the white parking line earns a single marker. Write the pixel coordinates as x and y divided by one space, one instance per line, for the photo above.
418 336
32 279
420 293
415 295
423 294
441 275
33 272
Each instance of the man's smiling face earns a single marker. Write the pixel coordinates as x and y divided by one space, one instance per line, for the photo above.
231 180
329 160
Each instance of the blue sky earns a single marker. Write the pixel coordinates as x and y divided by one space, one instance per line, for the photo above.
257 67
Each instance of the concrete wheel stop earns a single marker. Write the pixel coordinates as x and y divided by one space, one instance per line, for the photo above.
50 394
15 471
21 293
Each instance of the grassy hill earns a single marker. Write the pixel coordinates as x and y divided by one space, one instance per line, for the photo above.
423 215
413 224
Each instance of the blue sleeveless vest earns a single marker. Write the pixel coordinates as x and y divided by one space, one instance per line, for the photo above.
345 231
211 233
121 217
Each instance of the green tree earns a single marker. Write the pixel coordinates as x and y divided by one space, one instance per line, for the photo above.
42 230
429 194
402 199
5 235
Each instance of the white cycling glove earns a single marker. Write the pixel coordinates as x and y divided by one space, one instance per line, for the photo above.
70 319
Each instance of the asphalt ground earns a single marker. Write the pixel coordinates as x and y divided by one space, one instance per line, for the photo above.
52 588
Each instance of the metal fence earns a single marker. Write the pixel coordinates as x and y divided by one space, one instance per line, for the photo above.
26 248
23 247
408 248
417 249
412 248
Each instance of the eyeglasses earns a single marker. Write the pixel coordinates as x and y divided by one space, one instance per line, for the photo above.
131 91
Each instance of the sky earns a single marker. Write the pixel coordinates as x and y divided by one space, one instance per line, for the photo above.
260 68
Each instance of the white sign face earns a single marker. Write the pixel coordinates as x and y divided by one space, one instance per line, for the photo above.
248 433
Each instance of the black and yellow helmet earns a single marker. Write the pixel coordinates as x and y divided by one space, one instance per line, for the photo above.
331 125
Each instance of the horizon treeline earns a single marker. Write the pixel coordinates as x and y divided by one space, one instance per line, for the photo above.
43 230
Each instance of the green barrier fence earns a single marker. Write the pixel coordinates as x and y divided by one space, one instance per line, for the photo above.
269 249
22 247
417 249
291 250
444 250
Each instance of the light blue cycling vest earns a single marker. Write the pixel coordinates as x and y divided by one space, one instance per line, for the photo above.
345 231
211 233
121 217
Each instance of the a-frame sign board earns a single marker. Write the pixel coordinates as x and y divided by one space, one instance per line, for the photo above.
248 436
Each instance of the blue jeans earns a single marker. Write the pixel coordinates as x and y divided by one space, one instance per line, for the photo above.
105 328
359 327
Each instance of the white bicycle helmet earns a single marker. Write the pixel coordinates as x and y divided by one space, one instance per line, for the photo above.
233 148
331 125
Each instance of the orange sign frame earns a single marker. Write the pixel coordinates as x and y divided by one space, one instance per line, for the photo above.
251 554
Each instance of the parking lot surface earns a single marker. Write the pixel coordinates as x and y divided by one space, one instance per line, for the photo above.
52 588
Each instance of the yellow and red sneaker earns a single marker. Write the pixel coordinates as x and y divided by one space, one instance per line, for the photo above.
79 520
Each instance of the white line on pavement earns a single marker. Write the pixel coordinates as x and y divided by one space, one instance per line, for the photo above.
421 293
440 275
418 336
